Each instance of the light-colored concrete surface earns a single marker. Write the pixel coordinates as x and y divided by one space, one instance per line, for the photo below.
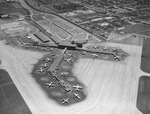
111 86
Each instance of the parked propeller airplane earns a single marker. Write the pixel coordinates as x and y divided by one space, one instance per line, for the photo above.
48 60
69 61
65 101
64 74
117 57
96 47
77 87
76 96
94 55
104 48
51 84
40 70
45 65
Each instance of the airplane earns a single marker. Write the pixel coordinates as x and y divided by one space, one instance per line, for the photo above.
51 84
47 60
96 47
83 52
45 65
28 37
65 101
104 48
53 54
70 55
40 70
94 55
69 61
77 87
116 49
76 96
123 54
64 74
117 57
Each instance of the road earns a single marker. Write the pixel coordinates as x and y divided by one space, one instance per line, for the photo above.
30 19
24 3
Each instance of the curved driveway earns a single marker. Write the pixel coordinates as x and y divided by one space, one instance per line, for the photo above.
23 2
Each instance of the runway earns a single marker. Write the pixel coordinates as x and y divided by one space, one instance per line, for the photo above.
111 86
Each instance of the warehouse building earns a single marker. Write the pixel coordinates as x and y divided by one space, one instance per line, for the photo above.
67 44
42 37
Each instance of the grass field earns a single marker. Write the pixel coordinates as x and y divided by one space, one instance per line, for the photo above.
143 94
17 28
145 60
10 98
